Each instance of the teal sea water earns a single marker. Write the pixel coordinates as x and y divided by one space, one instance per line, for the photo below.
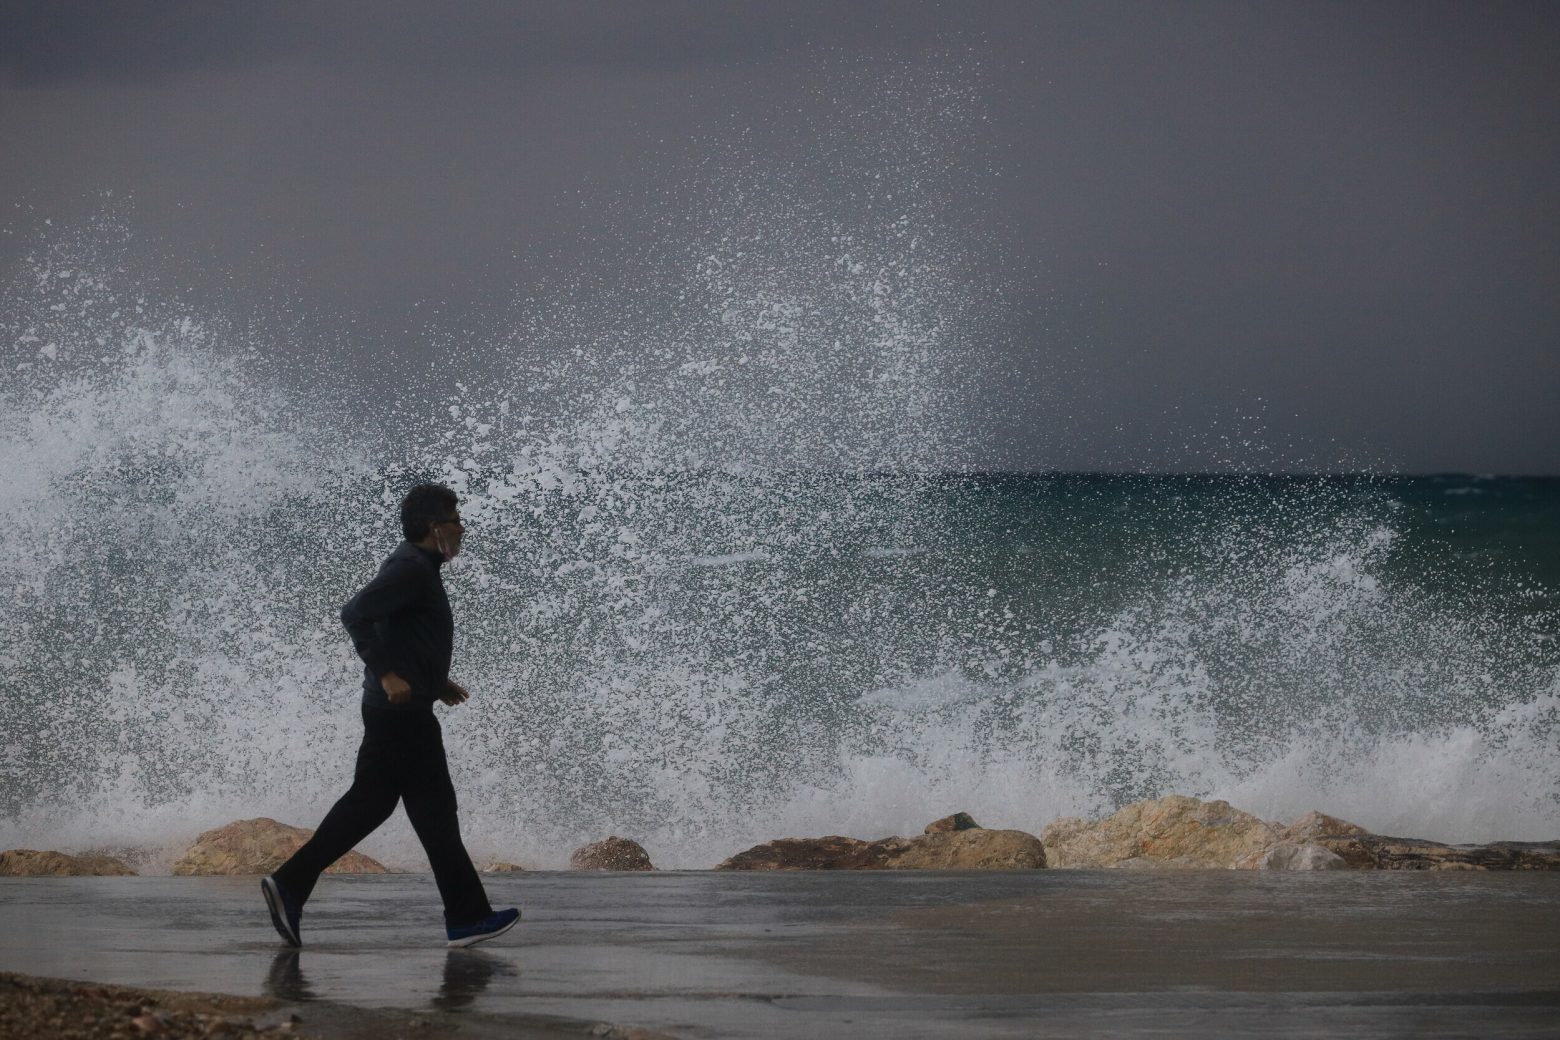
726 580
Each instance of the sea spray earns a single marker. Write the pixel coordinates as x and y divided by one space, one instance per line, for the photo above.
704 654
728 575
155 492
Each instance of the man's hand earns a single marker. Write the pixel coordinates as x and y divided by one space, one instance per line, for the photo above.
397 689
454 693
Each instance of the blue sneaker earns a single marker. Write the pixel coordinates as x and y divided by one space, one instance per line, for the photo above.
283 915
491 926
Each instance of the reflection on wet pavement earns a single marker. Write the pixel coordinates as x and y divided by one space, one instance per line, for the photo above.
467 974
285 980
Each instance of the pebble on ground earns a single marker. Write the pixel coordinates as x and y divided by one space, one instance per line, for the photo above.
56 1008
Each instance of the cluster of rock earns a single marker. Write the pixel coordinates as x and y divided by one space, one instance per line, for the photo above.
1175 832
1379 852
259 846
242 847
954 843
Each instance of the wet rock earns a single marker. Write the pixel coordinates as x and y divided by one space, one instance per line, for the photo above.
1174 832
258 846
501 867
1380 852
143 859
1354 853
33 863
959 821
612 854
1292 856
1177 831
1315 825
1064 841
831 852
974 849
99 865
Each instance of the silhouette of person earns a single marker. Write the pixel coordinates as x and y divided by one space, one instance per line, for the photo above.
402 627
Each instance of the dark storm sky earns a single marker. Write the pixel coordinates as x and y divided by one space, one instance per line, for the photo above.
1331 229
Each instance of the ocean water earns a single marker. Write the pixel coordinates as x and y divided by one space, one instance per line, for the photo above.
728 577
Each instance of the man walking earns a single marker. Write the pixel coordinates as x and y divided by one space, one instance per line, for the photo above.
401 625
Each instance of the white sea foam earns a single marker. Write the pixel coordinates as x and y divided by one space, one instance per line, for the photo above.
751 556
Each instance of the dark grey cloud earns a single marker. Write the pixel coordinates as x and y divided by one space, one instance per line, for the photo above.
56 42
49 43
1332 226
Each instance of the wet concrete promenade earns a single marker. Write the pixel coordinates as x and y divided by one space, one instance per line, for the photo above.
818 955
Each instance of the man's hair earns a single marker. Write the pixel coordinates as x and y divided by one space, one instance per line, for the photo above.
423 506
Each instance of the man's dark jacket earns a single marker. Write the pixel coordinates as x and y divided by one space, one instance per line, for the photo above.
401 623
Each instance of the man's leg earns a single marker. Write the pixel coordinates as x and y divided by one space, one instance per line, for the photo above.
367 804
430 805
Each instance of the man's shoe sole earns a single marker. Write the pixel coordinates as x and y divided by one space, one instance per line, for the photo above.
474 939
273 903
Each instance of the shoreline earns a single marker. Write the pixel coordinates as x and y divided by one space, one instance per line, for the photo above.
1173 832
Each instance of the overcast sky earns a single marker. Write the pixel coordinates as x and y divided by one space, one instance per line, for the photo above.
1332 228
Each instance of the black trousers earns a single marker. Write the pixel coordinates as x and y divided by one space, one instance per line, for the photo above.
401 760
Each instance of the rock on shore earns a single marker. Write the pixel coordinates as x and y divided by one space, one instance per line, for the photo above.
33 863
613 853
1181 832
972 849
832 852
1174 831
1380 852
258 846
958 844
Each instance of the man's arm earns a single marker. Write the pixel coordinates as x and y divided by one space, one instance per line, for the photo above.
398 585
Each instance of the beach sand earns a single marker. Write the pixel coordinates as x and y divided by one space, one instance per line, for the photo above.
901 954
